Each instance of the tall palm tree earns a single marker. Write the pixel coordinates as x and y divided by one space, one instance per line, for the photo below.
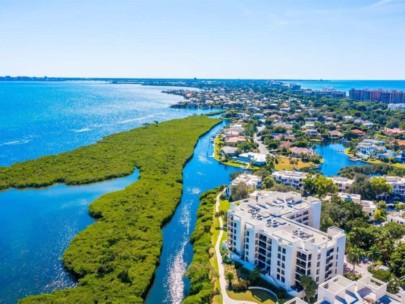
354 256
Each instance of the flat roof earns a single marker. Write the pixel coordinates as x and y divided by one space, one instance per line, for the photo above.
267 210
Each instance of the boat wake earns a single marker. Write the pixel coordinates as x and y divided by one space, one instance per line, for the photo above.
178 266
82 130
16 142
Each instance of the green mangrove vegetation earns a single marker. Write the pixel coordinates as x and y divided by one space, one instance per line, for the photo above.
114 259
200 272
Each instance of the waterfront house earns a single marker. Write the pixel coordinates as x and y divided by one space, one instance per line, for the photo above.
335 134
233 141
370 148
256 159
299 152
228 151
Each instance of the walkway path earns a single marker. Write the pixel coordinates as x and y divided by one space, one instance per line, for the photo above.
361 268
222 281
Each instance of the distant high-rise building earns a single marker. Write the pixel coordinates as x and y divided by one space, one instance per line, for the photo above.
377 95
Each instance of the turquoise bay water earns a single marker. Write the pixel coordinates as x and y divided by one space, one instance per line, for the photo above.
346 85
36 226
40 118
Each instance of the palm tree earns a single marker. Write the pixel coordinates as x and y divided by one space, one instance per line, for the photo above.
354 256
373 253
229 277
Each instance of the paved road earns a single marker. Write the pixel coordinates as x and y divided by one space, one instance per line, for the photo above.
262 148
222 281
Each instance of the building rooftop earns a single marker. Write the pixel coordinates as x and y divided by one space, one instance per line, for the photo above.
290 173
269 211
341 179
249 179
340 290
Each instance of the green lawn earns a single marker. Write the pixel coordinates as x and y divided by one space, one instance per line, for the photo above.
284 164
258 296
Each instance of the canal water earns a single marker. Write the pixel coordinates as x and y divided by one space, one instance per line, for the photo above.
36 227
201 173
334 158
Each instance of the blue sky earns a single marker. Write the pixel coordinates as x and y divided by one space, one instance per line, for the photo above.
309 39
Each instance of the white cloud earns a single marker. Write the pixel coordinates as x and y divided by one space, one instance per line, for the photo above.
380 3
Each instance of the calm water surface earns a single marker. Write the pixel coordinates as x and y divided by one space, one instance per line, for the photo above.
40 118
202 173
36 226
334 158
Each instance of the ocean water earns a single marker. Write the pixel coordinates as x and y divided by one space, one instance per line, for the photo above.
39 118
346 85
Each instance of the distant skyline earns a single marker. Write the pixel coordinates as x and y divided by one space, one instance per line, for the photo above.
255 39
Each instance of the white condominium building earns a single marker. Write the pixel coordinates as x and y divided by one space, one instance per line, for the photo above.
278 233
365 290
290 178
252 181
343 183
396 217
398 184
296 180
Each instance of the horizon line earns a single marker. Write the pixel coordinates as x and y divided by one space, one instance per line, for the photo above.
197 78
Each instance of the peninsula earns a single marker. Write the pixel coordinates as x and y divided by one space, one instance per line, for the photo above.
114 259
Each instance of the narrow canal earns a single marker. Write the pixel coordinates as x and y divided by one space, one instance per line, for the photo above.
36 227
201 173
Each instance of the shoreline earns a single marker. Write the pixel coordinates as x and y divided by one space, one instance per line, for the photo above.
372 162
71 263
